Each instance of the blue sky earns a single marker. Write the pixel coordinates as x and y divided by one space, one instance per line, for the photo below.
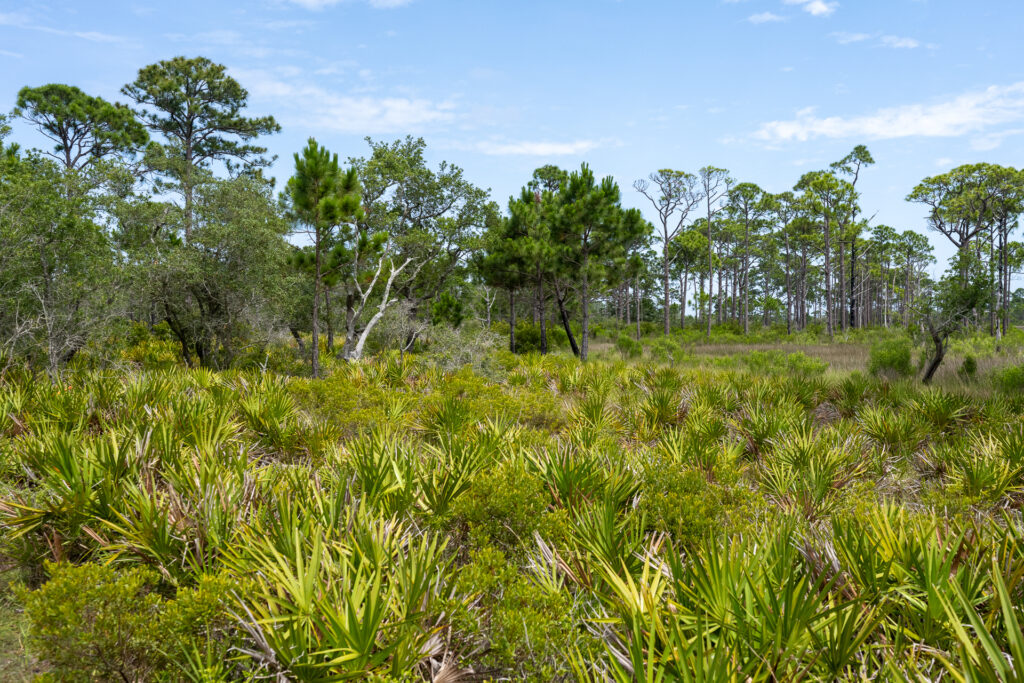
766 88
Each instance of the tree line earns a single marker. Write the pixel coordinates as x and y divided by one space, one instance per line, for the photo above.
159 211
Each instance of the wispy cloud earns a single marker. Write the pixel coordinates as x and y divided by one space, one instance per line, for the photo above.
989 141
816 8
23 21
764 18
8 53
537 148
970 113
845 38
314 107
900 42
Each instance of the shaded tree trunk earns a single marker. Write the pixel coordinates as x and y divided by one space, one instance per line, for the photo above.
512 320
560 298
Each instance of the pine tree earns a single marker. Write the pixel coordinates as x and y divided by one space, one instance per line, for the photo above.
323 197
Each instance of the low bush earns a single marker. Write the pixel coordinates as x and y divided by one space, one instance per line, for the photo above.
503 506
666 350
520 624
891 359
628 347
679 501
968 368
1010 380
93 622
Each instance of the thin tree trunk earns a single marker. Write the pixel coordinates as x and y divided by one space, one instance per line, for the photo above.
841 308
637 290
512 320
853 281
560 298
828 276
328 320
665 281
543 318
585 305
317 283
682 299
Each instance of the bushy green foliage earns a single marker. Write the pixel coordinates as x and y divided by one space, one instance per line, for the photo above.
522 624
502 506
968 368
1011 380
446 309
666 350
891 359
93 622
627 346
680 501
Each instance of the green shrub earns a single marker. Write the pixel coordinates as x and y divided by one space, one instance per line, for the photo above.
679 501
503 505
666 350
628 347
1011 380
969 368
891 359
525 628
91 622
446 309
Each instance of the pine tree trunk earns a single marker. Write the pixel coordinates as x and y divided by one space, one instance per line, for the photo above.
665 281
637 290
328 321
585 305
543 318
828 276
317 284
682 299
560 298
512 320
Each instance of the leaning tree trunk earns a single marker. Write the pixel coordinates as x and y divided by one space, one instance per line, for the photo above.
938 350
559 296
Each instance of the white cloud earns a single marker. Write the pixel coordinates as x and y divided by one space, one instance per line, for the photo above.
991 141
764 18
844 38
15 55
899 42
543 148
971 112
22 21
816 8
314 107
